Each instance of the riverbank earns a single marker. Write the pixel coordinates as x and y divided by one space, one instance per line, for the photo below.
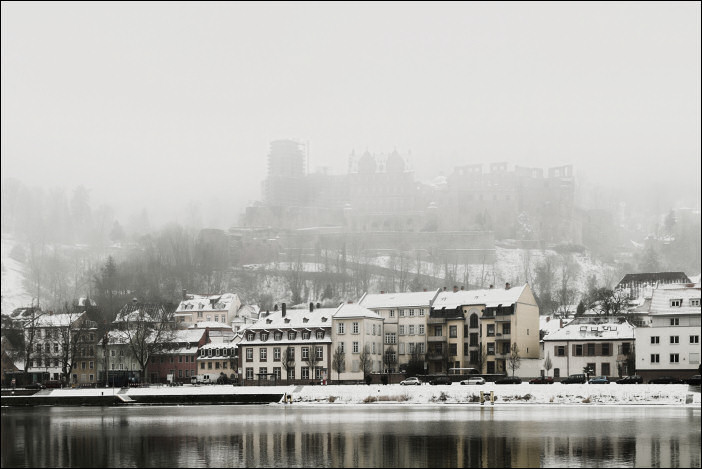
557 393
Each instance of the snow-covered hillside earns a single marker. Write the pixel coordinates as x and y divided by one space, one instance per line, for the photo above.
13 292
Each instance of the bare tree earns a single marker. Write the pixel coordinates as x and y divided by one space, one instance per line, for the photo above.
288 362
480 358
514 358
148 330
547 363
366 361
339 361
312 360
389 358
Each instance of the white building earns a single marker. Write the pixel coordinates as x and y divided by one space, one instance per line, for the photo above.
603 345
404 322
669 344
357 329
204 308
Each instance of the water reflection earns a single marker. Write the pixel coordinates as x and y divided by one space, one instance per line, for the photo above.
340 436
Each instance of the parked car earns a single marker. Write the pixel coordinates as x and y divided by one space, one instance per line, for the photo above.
35 386
542 380
665 380
634 379
574 379
694 380
413 381
52 383
509 380
441 380
474 380
598 380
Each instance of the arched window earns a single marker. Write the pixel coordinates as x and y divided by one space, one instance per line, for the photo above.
473 320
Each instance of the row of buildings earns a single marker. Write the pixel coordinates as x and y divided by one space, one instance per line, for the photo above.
437 331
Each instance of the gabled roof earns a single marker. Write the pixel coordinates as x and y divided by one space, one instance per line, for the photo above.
655 277
398 300
57 320
350 311
295 319
663 296
489 297
577 330
221 302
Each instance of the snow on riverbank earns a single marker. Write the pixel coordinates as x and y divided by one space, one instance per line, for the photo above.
557 393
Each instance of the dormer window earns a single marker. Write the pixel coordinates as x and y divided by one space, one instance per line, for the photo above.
694 301
291 335
320 334
676 303
264 336
250 336
305 335
278 336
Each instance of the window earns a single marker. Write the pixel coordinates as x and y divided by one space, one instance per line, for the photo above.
392 313
402 312
355 347
590 350
264 336
276 372
342 348
390 338
291 335
655 358
411 329
56 348
491 348
421 329
438 332
291 353
560 351
606 350
319 352
354 327
694 302
92 365
490 330
674 321
420 347
402 330
453 350
250 336
278 335
453 332
676 303
263 354
421 310
305 353
674 358
674 339
591 368
340 328
474 321
605 371
249 373
411 313
305 372
655 339
305 335
249 354
694 339
319 335
506 329
578 351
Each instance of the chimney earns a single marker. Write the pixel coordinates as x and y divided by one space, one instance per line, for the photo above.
311 306
319 305
275 307
455 288
185 294
507 286
561 323
282 308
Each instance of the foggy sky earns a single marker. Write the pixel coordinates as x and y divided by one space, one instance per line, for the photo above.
157 105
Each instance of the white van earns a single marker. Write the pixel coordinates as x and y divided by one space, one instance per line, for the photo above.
201 379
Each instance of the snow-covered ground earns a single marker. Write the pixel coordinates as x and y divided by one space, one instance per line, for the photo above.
557 393
13 292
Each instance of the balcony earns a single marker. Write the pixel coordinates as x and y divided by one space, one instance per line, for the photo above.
431 320
503 318
436 338
502 336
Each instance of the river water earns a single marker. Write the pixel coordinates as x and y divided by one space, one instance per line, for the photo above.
328 435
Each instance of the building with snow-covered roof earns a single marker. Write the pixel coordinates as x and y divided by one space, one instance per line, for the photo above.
61 347
357 336
639 285
603 345
291 344
404 323
477 328
669 342
198 308
178 362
